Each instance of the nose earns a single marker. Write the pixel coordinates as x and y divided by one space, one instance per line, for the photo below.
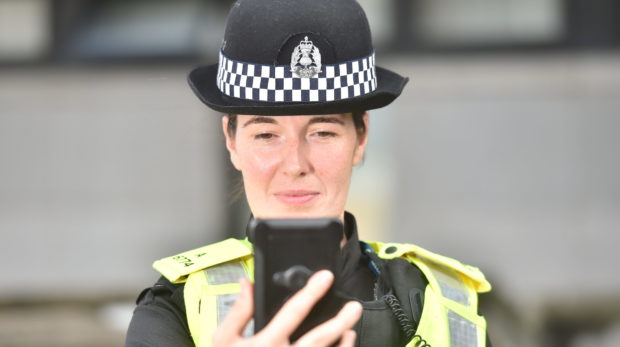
296 161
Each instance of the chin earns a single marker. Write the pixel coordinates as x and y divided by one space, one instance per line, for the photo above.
298 212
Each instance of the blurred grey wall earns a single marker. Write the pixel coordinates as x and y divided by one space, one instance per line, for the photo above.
103 171
509 163
513 164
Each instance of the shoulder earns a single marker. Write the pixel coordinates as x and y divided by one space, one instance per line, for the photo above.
416 254
163 290
176 268
161 306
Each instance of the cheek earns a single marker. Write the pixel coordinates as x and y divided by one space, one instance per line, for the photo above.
334 165
257 166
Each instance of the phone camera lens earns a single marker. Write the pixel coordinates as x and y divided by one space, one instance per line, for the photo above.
294 278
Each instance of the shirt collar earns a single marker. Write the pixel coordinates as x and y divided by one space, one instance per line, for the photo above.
350 253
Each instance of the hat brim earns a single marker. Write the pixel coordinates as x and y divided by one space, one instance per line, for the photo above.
202 80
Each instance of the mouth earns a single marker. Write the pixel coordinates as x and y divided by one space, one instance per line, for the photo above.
296 197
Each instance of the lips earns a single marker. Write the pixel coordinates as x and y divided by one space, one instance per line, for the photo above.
296 197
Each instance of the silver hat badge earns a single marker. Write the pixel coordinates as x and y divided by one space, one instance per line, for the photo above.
306 59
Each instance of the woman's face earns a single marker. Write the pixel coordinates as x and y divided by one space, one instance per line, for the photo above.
296 166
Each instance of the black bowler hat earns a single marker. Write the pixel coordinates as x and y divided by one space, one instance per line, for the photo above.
293 57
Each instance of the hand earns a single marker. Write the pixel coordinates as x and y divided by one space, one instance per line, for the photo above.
290 316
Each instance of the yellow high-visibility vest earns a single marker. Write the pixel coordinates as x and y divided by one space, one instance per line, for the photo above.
449 314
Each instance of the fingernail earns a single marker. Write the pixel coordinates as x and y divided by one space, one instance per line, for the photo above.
324 276
242 287
245 287
352 334
354 307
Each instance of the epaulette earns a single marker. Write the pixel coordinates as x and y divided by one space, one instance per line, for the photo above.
395 250
178 267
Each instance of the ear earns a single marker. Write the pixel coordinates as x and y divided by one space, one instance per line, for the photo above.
230 144
362 140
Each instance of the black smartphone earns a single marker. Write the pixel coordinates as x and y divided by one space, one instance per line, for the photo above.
286 253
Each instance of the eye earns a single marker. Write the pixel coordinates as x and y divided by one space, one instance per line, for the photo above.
325 134
264 136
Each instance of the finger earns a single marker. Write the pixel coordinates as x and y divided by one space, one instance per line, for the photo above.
348 339
238 316
299 305
329 332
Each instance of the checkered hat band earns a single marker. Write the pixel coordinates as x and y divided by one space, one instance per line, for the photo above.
278 84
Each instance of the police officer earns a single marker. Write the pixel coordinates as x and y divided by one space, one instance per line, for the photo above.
294 80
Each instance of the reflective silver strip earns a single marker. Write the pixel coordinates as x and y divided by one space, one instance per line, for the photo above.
224 304
454 294
451 285
249 329
225 274
463 333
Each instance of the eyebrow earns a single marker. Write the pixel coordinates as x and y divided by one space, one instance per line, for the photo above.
270 120
260 120
326 120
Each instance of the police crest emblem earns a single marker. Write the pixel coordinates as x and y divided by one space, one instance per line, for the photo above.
306 59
